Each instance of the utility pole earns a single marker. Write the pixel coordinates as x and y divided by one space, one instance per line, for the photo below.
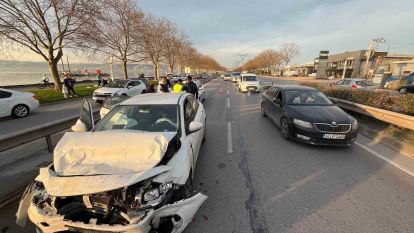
345 64
373 45
242 57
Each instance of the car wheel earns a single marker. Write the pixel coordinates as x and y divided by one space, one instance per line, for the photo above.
284 128
20 111
403 90
262 108
144 92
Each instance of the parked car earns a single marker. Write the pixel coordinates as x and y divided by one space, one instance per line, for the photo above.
137 175
110 103
235 76
403 85
249 82
120 87
355 83
307 115
17 104
201 91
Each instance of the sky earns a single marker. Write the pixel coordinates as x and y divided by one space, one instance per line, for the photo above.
226 28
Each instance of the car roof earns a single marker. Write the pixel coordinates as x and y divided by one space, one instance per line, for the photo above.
248 74
295 88
154 99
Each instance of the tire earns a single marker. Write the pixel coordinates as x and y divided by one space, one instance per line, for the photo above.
20 111
262 109
144 92
403 90
284 129
41 86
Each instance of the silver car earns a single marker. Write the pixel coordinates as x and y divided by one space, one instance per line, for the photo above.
354 83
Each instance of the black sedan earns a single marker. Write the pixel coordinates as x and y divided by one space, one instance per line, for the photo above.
307 115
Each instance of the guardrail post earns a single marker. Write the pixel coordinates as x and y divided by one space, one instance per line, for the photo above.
49 143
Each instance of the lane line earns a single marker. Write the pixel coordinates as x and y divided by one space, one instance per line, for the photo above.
385 159
229 139
228 92
228 102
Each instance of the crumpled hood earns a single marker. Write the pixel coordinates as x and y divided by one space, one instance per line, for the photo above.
109 152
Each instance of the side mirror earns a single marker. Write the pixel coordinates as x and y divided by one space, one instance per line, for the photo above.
79 127
195 126
276 101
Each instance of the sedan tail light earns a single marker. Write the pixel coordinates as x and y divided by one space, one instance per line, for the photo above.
35 97
354 86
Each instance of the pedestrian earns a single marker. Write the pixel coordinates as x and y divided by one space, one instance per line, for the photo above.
163 86
65 91
169 81
178 86
69 83
104 81
191 86
151 88
99 79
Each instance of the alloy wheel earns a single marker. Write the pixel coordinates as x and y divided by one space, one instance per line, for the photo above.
21 111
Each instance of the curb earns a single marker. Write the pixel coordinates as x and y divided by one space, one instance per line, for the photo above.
401 147
64 100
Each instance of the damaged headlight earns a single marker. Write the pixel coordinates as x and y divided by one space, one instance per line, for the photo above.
153 194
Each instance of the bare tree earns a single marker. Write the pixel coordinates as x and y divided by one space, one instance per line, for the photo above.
153 40
43 26
114 31
288 51
175 44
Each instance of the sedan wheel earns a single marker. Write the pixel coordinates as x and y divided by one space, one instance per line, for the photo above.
284 127
20 111
263 110
403 90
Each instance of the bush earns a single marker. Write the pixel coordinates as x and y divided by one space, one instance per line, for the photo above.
379 99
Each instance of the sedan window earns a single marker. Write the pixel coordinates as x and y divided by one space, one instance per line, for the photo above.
149 118
117 84
5 94
305 97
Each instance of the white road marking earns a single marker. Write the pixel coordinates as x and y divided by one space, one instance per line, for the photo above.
229 139
228 92
384 158
228 102
248 93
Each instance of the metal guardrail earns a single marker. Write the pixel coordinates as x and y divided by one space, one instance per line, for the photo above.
41 131
402 120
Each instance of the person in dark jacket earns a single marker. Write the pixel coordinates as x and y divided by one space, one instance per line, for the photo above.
69 83
163 85
191 86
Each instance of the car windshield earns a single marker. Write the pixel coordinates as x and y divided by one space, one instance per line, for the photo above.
148 118
306 97
117 84
249 78
112 101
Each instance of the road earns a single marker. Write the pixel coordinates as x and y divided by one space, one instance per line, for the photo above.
257 182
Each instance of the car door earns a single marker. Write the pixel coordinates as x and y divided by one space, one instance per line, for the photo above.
278 107
5 103
193 112
138 87
86 115
269 95
129 88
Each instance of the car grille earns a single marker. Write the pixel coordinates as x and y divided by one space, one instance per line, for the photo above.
251 87
102 94
328 128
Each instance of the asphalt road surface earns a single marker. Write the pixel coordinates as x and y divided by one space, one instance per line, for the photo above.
257 182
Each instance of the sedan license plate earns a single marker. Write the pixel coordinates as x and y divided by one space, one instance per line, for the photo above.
334 136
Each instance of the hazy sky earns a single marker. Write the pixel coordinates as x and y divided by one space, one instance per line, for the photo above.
224 28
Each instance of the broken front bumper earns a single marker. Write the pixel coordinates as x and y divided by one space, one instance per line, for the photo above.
185 209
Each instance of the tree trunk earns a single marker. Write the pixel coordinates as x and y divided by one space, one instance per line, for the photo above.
124 69
55 75
172 68
155 71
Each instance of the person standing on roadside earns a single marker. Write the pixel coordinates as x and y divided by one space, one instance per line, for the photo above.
45 80
191 86
99 79
178 86
65 91
69 83
163 86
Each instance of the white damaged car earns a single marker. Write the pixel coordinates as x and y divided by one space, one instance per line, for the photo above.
132 172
